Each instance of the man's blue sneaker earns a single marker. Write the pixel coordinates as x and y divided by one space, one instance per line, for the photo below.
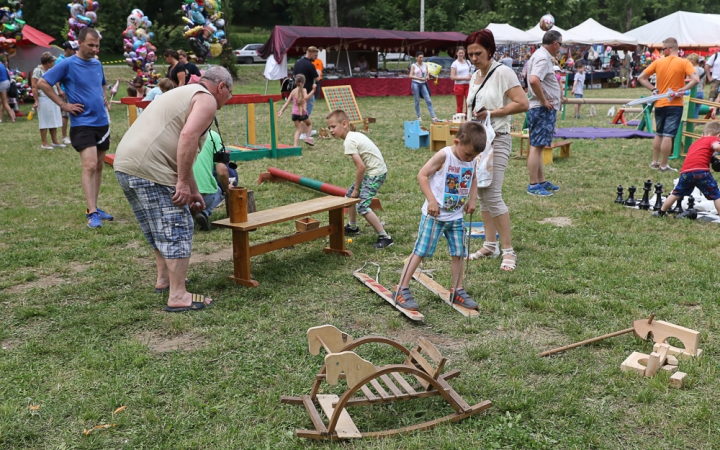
548 186
537 189
103 215
93 220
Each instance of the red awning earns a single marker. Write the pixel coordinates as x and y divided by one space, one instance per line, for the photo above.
291 40
32 36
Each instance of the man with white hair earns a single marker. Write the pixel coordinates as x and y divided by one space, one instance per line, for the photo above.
154 166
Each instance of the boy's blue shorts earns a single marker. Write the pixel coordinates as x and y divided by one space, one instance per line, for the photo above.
429 234
702 179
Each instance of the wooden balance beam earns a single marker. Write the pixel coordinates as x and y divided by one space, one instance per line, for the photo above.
598 101
241 223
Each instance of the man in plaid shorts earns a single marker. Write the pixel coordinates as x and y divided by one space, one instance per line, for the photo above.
153 165
369 176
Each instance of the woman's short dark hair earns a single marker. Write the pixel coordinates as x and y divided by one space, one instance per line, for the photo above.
483 38
419 53
139 80
170 52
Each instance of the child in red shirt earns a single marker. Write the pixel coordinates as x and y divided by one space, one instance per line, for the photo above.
695 171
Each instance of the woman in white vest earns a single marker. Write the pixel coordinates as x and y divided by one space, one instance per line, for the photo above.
419 76
495 91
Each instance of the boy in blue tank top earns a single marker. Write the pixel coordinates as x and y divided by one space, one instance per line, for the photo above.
448 181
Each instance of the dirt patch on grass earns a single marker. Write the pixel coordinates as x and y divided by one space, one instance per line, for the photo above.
9 344
225 255
41 283
161 344
410 336
557 221
79 267
133 245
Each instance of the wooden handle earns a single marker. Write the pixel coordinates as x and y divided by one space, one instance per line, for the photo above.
237 201
588 341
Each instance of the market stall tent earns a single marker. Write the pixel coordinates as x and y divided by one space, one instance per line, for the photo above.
33 44
507 34
690 30
568 37
591 32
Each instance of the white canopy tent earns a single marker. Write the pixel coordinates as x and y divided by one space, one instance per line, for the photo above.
568 37
690 30
591 32
507 34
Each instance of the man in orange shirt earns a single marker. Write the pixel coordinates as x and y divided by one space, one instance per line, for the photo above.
317 62
670 72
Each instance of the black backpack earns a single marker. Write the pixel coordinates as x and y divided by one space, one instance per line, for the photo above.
288 84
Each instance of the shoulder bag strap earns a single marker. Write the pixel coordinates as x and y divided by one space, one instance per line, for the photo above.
487 77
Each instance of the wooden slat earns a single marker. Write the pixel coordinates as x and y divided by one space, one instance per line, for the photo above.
691 135
287 241
423 362
560 144
368 393
462 404
379 389
430 349
699 101
288 212
700 120
404 384
314 414
388 382
345 427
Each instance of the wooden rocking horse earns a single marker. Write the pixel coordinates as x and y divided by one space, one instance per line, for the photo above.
361 375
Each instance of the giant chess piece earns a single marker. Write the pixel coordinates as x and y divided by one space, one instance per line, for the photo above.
630 201
678 209
658 197
690 212
645 202
619 198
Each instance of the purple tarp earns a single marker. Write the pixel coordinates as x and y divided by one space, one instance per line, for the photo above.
600 133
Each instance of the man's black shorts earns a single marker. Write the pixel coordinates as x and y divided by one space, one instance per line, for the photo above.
84 137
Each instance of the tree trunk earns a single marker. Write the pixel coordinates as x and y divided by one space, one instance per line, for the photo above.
628 17
333 13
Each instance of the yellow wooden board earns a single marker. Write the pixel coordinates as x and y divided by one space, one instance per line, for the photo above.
342 97
345 427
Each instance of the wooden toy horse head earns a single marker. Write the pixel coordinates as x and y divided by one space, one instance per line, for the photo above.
354 367
327 336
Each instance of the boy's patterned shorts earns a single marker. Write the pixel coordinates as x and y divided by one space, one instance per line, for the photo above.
701 179
429 234
368 190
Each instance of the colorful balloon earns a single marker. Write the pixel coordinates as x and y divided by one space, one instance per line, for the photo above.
547 22
204 27
139 52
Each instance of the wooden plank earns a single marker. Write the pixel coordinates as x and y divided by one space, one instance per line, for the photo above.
430 370
459 402
404 384
560 144
314 415
430 349
679 353
379 389
653 364
241 259
661 331
388 382
368 393
337 238
288 212
293 239
386 295
632 363
345 427
443 293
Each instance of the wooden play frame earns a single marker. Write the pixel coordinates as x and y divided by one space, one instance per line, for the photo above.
336 101
361 375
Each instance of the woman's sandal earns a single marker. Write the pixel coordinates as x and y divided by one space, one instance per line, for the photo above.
508 265
489 246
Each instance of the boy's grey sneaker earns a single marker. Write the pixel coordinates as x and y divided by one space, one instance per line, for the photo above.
352 230
660 213
383 242
202 221
460 297
404 299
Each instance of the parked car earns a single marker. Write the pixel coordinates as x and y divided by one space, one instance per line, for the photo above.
248 54
393 57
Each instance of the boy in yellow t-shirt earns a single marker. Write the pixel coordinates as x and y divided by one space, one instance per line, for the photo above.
369 176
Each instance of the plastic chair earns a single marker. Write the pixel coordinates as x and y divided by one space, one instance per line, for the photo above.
415 137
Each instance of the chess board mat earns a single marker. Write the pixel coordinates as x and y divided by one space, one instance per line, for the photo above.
342 97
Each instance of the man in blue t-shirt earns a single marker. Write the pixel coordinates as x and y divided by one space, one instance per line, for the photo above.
69 49
84 82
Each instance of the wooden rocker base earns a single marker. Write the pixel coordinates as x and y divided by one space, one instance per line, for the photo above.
365 388
443 293
386 295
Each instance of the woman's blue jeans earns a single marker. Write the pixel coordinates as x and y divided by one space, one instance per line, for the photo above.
421 90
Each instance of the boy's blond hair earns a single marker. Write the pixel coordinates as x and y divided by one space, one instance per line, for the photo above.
693 58
711 129
473 134
338 115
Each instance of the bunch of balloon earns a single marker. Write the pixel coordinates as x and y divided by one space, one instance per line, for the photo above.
139 52
83 13
21 83
11 25
205 28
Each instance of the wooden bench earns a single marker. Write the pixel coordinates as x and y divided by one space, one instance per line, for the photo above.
243 251
547 153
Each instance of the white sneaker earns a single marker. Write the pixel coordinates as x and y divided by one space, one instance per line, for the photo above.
66 140
303 136
59 145
313 133
667 169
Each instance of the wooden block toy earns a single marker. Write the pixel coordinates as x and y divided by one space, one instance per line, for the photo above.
324 133
366 124
306 224
632 363
672 361
670 368
661 331
677 379
653 364
679 353
663 352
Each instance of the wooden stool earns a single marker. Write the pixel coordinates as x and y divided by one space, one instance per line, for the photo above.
547 153
523 137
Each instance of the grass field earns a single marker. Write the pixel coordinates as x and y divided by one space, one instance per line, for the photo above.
82 334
